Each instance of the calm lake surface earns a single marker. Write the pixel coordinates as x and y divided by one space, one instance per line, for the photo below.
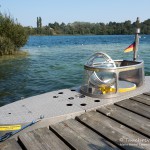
56 62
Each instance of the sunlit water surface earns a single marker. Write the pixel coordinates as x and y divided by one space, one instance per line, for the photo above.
56 62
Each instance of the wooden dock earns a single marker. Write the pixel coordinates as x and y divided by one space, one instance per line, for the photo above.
122 125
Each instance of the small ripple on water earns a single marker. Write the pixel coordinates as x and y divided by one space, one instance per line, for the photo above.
56 62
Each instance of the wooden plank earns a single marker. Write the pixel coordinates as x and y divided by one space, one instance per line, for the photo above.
147 93
130 119
10 145
135 107
142 99
80 137
42 139
112 130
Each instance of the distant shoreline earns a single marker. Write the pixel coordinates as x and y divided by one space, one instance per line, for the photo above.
87 28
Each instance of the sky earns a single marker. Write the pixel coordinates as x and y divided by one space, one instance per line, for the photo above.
69 11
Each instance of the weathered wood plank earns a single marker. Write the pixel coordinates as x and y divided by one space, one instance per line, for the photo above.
127 118
42 139
10 145
114 131
142 99
135 107
80 137
147 93
143 96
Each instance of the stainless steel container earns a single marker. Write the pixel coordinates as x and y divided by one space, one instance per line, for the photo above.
105 78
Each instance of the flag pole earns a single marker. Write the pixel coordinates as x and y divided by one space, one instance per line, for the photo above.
136 39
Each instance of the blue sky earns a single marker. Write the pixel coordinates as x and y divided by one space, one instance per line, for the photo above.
68 11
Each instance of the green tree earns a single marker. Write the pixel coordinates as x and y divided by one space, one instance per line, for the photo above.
37 23
12 35
40 22
40 25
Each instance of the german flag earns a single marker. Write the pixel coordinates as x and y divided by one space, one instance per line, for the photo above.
130 48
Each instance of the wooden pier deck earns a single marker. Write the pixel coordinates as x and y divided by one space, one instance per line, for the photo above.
122 125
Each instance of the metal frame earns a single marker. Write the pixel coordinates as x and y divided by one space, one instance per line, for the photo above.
131 65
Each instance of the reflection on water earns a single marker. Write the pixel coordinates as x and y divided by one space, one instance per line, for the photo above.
56 62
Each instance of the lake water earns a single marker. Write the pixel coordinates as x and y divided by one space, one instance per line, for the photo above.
56 62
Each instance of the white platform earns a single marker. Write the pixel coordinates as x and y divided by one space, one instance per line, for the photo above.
59 105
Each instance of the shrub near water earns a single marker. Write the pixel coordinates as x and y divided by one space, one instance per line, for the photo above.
6 46
12 35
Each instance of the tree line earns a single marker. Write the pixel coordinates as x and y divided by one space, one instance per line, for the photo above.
86 28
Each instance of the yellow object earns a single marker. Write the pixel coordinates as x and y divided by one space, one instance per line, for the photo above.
10 127
109 89
106 89
121 90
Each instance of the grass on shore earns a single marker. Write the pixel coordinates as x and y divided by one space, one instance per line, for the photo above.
15 55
